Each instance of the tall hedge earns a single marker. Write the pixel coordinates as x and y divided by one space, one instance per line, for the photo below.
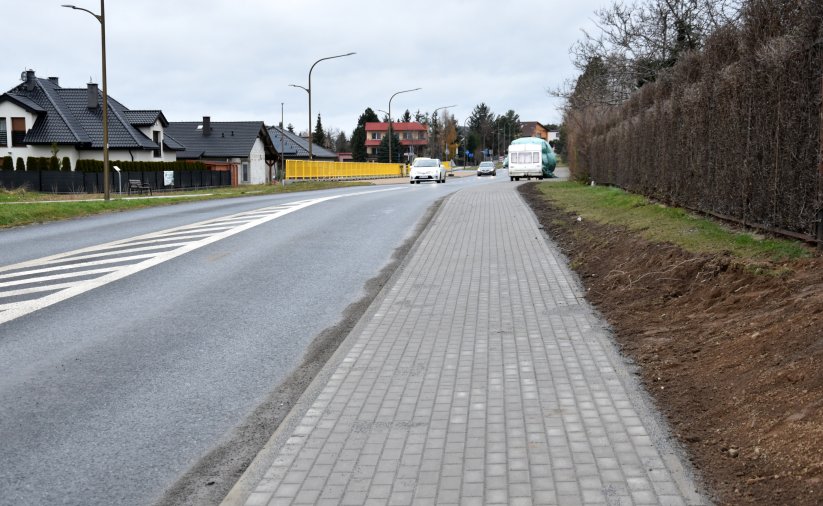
20 165
33 163
732 130
8 163
129 166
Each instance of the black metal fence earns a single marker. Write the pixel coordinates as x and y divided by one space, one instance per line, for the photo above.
52 181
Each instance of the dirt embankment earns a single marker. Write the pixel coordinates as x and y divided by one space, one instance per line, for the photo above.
731 351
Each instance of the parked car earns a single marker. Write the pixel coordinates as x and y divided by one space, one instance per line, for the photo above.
486 168
427 169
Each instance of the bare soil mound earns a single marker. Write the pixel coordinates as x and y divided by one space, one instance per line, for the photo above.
731 351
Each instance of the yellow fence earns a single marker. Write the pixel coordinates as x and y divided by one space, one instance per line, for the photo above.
303 169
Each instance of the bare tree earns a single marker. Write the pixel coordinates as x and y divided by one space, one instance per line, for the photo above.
635 42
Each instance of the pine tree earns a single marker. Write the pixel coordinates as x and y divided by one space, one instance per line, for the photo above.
341 144
319 136
358 137
396 149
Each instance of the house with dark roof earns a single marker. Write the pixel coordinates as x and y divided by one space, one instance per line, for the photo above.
39 113
413 136
243 146
297 148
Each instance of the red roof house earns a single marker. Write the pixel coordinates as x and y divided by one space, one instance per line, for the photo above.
411 135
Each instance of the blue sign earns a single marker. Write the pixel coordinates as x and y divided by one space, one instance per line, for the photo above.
470 155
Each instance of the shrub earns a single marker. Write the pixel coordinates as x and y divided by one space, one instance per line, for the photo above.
89 166
66 165
8 163
20 164
54 164
32 163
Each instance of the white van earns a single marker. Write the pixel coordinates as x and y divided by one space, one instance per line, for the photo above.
525 160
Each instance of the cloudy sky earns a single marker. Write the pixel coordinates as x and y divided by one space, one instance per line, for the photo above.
234 60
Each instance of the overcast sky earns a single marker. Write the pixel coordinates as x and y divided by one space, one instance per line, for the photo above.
234 60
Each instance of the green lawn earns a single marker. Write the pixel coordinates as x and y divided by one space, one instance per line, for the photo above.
661 223
18 207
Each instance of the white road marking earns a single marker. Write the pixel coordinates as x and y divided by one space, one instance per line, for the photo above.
55 277
183 239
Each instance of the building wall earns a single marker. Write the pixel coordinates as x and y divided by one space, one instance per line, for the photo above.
252 170
165 155
8 111
257 163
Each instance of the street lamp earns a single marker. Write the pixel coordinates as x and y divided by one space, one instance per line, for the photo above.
308 90
282 158
466 140
390 99
119 179
434 117
102 19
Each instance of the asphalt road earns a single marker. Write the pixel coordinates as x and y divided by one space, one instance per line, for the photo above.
111 395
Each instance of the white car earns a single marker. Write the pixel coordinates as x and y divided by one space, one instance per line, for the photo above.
427 169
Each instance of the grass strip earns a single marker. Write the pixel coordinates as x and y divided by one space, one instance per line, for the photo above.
664 224
19 207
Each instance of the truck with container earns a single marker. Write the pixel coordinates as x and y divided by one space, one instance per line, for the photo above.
531 157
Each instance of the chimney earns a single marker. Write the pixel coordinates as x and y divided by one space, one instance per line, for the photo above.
30 80
93 96
206 125
54 80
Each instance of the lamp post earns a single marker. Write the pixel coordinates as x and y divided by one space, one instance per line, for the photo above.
390 99
308 90
434 118
466 140
282 159
102 19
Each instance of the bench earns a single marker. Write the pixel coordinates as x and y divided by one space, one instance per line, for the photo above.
135 185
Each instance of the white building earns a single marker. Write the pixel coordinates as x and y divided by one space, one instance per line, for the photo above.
38 114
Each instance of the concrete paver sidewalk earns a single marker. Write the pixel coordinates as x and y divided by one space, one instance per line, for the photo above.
479 376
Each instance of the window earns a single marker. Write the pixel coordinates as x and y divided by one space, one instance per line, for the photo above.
525 157
156 138
4 141
407 136
245 168
18 131
375 136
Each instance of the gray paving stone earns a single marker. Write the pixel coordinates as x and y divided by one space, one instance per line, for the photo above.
481 377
